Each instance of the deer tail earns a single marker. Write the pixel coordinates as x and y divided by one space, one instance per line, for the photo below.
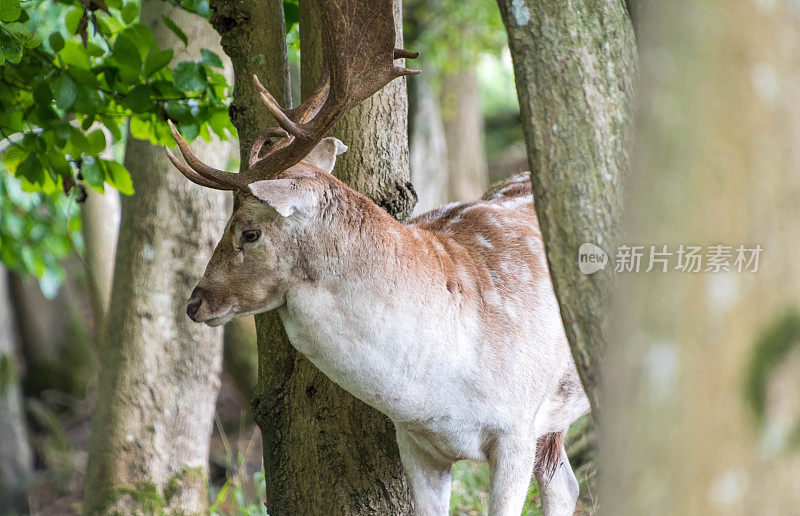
548 454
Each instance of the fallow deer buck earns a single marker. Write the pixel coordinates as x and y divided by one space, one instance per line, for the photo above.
447 324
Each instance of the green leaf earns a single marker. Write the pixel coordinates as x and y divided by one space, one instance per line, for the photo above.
219 120
145 127
24 34
127 56
166 89
87 101
83 77
118 177
97 142
42 93
291 13
129 12
65 91
31 169
92 172
141 36
138 100
209 58
72 18
175 29
12 157
9 47
78 143
190 130
189 76
157 61
9 10
59 163
56 41
113 126
74 54
179 112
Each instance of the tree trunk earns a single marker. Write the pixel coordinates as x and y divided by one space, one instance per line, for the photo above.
52 333
716 163
159 371
467 170
324 451
574 65
15 455
428 148
100 216
253 36
240 355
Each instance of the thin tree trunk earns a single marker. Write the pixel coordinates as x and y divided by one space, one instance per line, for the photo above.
159 371
15 455
427 145
240 355
100 215
324 451
716 163
467 170
51 333
574 65
253 36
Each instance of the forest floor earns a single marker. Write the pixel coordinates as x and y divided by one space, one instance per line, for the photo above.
235 470
61 444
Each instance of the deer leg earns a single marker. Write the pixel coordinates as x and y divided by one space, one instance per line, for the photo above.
559 492
511 467
429 478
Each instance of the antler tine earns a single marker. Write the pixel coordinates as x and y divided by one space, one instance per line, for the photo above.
191 175
230 180
358 55
309 109
261 139
401 53
277 111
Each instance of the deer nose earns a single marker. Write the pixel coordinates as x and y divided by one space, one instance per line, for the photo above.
194 303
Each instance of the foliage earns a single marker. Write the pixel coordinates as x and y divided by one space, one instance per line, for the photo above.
239 495
35 231
72 73
233 498
452 33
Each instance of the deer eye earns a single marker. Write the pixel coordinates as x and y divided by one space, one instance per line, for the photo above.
251 235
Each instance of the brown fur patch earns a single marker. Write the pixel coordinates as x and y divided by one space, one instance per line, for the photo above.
548 454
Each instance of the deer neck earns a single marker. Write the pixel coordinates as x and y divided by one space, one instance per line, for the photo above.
371 312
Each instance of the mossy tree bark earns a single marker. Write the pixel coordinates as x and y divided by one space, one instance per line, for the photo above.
324 451
716 163
253 36
574 66
159 371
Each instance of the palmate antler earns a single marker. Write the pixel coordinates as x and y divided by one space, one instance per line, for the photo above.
358 54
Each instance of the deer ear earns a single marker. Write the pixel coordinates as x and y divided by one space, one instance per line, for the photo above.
324 154
286 196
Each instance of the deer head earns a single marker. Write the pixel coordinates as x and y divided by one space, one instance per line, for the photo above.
280 195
